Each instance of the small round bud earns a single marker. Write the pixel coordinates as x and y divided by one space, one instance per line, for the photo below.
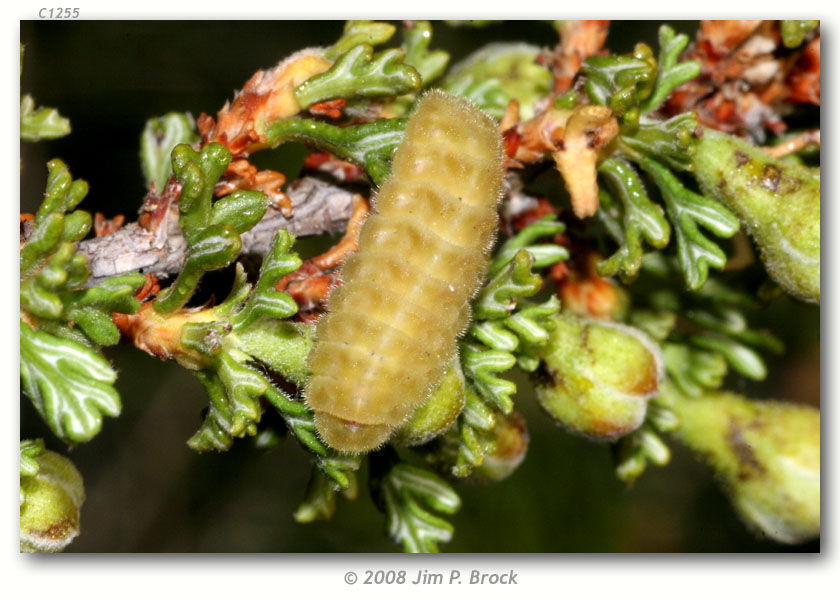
51 501
597 377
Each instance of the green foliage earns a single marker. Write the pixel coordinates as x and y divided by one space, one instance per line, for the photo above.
671 141
401 491
70 385
361 74
497 73
67 379
211 228
507 330
430 65
360 32
29 452
794 32
635 85
686 210
319 502
340 468
642 219
265 301
42 123
719 336
670 72
159 138
369 145
621 82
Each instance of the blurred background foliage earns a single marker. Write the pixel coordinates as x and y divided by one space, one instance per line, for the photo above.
148 492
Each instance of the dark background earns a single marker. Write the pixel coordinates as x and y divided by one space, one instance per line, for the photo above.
147 492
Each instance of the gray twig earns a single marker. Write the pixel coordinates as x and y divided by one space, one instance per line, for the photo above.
319 207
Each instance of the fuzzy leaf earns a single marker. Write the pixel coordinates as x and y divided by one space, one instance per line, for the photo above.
361 74
498 297
499 72
235 391
671 141
671 73
693 371
794 31
159 138
42 123
480 366
642 219
544 255
740 357
29 451
404 491
621 82
215 247
369 145
687 210
430 65
69 384
265 301
319 503
360 32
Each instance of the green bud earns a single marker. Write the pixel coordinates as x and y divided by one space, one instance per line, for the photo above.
52 498
767 455
778 203
438 412
499 72
510 437
597 377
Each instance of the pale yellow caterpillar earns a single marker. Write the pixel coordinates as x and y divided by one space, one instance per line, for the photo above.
392 326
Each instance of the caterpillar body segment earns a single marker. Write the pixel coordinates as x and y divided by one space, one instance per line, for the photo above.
392 326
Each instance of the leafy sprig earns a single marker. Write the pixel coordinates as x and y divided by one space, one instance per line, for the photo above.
686 210
70 385
429 64
159 138
359 73
641 219
211 228
369 145
407 495
62 324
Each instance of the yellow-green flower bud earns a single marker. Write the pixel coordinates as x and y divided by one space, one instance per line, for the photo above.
438 412
778 202
597 377
510 437
51 500
767 455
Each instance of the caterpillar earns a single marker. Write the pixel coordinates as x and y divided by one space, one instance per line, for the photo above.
392 327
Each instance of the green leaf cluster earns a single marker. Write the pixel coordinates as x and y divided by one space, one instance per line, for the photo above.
505 332
369 145
211 228
63 324
159 138
408 495
359 73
